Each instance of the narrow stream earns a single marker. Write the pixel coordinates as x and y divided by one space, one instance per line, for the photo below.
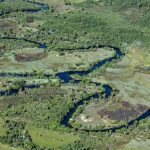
42 7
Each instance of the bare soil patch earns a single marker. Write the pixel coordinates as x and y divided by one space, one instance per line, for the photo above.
30 57
7 24
125 112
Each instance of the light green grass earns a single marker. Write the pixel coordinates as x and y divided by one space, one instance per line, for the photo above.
53 62
2 129
137 145
77 1
47 138
6 147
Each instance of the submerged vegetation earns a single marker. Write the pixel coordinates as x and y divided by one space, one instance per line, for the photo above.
74 74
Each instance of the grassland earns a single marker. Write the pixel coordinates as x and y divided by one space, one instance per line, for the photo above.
54 61
2 128
137 145
6 147
53 139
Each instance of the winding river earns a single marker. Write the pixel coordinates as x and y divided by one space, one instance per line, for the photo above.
66 78
42 7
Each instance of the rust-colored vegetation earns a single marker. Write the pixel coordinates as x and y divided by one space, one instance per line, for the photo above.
124 112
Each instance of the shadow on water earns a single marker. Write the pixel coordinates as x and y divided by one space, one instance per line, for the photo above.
16 91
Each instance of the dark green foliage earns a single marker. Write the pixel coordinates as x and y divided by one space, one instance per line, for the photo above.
16 5
17 135
7 45
81 30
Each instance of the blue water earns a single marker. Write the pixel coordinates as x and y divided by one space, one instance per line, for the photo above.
66 78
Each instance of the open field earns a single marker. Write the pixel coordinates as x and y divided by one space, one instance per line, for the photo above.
28 59
6 147
51 138
2 128
137 145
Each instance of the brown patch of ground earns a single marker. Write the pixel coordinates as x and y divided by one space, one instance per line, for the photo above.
7 24
121 143
30 57
124 112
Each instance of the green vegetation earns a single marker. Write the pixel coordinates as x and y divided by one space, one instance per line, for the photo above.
47 138
16 135
6 147
38 43
19 5
45 107
2 129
